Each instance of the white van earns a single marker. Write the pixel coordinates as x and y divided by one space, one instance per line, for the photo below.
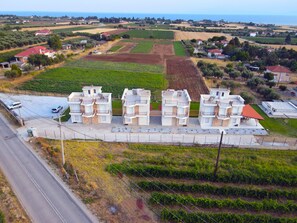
14 105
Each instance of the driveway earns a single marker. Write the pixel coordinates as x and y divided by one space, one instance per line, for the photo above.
35 106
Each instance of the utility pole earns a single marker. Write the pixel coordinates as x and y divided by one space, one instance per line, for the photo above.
62 142
218 156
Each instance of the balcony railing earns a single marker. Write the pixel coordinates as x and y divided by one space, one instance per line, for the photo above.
138 102
88 114
106 112
175 103
208 113
136 114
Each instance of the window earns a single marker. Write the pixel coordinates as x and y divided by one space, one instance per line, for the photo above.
207 120
223 94
103 119
89 91
94 91
217 93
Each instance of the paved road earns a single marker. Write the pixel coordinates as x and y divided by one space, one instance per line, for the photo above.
44 197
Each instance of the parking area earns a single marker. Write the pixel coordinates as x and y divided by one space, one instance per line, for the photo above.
35 106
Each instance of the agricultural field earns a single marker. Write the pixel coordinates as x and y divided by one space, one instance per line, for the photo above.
150 34
93 30
143 47
115 48
163 49
181 35
183 74
279 126
179 49
53 27
270 40
179 183
114 77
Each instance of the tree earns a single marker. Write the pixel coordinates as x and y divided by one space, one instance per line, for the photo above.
235 42
254 82
248 99
17 69
270 84
288 39
234 74
193 40
269 76
39 60
247 74
54 42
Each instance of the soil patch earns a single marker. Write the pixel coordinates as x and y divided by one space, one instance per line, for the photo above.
163 49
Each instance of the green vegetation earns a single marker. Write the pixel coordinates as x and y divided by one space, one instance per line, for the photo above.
115 48
286 127
143 47
5 57
68 79
237 204
54 42
150 34
2 217
179 49
232 191
72 29
117 107
10 39
177 215
271 40
121 66
172 175
66 116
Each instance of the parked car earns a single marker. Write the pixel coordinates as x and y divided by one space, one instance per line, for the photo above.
15 105
57 109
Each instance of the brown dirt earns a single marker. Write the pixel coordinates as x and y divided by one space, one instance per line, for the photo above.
117 31
131 58
182 74
163 49
127 47
9 204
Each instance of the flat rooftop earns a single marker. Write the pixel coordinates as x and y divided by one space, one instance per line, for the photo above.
281 105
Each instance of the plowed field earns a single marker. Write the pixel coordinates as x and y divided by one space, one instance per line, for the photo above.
163 49
182 74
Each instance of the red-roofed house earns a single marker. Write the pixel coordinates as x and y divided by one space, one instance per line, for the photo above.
23 56
43 32
281 74
105 36
215 53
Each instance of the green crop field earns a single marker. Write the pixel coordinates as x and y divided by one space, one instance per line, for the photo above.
270 40
286 127
103 65
115 48
179 184
113 78
179 49
72 29
150 34
143 47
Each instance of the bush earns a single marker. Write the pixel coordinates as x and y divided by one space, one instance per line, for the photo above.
11 74
238 204
183 216
2 218
282 87
220 191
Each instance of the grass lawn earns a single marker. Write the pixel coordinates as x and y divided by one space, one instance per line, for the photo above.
179 49
117 107
143 47
286 127
115 48
103 65
68 79
150 34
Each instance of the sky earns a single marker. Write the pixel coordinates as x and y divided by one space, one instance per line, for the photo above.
207 7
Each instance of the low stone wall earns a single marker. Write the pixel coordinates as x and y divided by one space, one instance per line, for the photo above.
12 114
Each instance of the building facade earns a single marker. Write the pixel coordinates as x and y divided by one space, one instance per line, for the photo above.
175 107
281 74
219 109
23 56
90 106
136 106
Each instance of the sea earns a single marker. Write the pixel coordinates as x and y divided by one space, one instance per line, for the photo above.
260 19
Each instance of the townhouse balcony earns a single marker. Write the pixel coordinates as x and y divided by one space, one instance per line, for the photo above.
223 117
136 103
74 101
207 114
87 102
175 115
101 101
175 103
88 115
106 112
136 114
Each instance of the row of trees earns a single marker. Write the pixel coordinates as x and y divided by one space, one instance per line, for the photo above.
210 70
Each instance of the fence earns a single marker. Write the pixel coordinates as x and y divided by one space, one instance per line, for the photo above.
247 141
